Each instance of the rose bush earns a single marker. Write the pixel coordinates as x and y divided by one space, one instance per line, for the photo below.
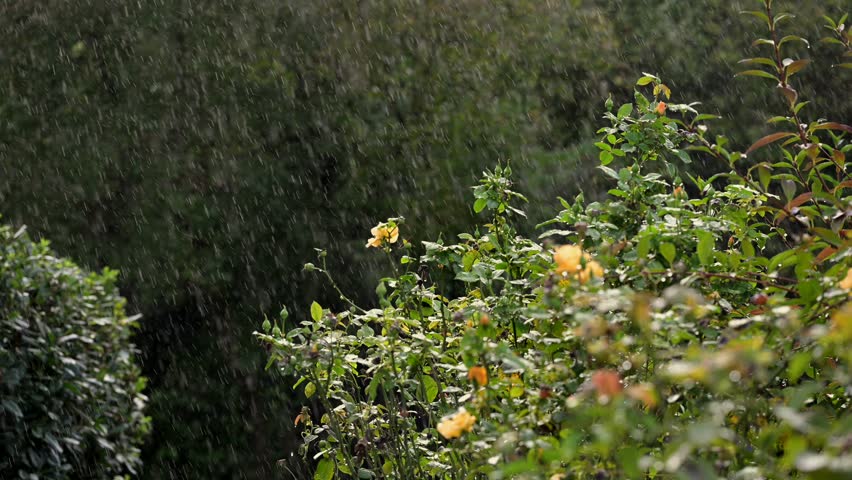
683 328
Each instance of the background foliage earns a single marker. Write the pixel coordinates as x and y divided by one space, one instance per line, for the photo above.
204 148
70 391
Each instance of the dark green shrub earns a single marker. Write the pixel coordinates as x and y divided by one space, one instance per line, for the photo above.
70 392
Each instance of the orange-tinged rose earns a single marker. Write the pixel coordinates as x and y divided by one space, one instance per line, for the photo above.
479 375
607 382
661 108
453 426
847 282
383 233
643 392
571 260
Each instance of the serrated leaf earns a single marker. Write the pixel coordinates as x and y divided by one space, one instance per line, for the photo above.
625 110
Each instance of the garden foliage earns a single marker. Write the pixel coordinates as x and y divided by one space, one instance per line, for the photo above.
70 391
684 327
204 147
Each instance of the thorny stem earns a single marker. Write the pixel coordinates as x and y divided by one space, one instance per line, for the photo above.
334 285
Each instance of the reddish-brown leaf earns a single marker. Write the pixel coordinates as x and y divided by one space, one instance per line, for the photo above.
774 137
825 253
832 126
843 184
798 201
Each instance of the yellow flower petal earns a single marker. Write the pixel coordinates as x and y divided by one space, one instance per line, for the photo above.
454 426
847 282
572 260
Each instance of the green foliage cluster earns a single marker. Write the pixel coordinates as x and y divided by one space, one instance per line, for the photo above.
195 146
70 392
687 327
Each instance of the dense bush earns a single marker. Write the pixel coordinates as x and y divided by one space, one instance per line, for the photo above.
70 391
685 327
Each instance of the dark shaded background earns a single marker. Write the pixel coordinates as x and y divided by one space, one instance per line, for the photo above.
205 147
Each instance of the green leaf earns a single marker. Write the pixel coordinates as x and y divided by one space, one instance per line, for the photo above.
790 38
758 14
757 73
760 60
668 251
764 175
431 388
625 110
479 205
747 247
705 116
706 243
325 470
310 389
469 259
316 311
644 246
829 236
375 383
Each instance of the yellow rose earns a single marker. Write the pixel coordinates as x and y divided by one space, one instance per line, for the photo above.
841 322
454 426
571 260
383 233
847 282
